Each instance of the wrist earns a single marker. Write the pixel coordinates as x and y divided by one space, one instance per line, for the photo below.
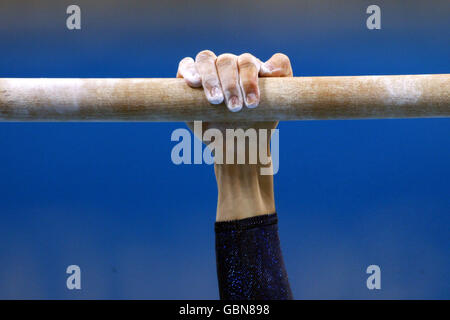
243 192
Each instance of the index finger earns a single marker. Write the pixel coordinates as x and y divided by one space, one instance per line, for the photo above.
278 65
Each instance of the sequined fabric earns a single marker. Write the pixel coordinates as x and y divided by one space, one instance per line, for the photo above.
249 261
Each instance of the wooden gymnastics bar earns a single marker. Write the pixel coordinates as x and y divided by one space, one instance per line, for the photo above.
300 98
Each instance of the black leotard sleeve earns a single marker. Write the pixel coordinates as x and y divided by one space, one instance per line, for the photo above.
249 261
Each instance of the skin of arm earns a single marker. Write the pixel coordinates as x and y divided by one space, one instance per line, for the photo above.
242 191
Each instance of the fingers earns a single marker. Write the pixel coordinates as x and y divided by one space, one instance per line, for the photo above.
205 63
278 65
227 69
248 73
231 78
187 70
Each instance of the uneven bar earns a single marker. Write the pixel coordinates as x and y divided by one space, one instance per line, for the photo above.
300 98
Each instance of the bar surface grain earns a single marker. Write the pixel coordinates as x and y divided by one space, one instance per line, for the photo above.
299 98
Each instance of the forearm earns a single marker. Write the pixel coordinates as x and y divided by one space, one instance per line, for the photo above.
250 264
249 259
243 192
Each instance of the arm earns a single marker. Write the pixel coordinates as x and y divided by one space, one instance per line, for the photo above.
243 192
249 260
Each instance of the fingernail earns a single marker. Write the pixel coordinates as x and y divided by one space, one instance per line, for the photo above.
216 95
195 80
234 104
252 100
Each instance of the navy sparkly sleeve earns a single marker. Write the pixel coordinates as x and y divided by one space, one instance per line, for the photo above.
249 261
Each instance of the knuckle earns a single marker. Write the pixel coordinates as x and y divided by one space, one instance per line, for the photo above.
247 66
185 63
226 59
205 54
246 60
282 58
186 60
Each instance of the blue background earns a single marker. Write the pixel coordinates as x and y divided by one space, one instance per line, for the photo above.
106 196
